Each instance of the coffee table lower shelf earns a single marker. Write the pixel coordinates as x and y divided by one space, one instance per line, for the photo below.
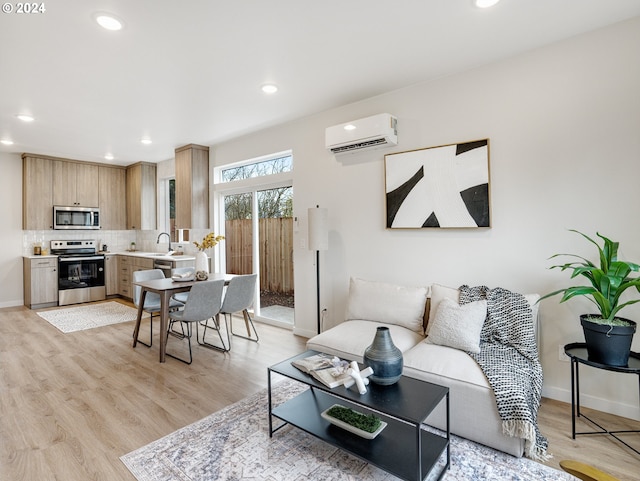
391 450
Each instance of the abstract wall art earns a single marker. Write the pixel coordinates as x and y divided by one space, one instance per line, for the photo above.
444 186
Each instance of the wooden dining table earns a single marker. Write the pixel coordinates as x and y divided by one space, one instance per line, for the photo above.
166 288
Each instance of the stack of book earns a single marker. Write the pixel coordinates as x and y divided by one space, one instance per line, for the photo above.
329 370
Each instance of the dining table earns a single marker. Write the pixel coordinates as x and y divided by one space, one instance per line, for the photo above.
166 288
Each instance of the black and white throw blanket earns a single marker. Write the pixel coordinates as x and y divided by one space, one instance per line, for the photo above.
509 359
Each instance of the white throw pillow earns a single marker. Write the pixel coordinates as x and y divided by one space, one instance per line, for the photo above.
438 293
458 326
387 303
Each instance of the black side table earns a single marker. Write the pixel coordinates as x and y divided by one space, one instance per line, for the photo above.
577 351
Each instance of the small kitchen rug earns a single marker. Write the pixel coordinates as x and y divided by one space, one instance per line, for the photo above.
89 316
234 444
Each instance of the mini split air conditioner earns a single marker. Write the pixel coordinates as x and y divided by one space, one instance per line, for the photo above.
368 133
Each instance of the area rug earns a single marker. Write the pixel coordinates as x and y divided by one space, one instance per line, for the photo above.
234 444
89 316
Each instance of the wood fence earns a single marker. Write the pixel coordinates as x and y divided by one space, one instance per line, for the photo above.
276 251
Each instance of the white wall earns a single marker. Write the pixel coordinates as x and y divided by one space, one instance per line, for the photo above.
564 129
11 230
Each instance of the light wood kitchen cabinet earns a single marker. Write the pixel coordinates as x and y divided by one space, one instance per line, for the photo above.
192 187
112 197
111 274
127 265
141 196
40 275
124 276
75 183
49 181
37 193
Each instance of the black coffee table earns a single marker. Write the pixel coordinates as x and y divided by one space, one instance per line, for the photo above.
402 448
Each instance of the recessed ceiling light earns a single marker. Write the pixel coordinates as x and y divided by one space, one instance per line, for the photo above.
485 3
269 89
108 21
146 141
349 127
7 142
25 117
108 156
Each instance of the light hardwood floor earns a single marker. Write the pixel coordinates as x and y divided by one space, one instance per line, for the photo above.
72 404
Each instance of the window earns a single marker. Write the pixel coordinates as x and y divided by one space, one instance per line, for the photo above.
258 169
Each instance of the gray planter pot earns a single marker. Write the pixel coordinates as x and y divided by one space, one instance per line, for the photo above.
608 345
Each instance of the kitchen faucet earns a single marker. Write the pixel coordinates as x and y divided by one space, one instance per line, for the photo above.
160 235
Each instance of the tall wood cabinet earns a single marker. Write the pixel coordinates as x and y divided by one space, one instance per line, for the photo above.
192 187
112 197
141 196
111 274
75 183
37 193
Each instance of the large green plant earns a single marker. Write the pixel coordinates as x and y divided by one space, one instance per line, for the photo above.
608 281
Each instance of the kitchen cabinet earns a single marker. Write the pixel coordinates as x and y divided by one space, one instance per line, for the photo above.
112 197
192 187
141 196
124 276
40 275
49 181
75 183
37 193
127 265
111 274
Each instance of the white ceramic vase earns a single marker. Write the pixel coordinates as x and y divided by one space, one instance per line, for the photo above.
202 261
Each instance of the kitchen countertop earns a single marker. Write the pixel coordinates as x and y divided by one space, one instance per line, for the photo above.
148 255
155 255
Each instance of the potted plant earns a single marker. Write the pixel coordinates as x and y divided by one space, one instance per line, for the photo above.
608 336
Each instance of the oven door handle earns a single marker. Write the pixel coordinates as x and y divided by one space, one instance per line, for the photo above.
73 259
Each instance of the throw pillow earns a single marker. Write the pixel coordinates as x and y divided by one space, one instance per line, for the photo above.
458 326
438 293
387 303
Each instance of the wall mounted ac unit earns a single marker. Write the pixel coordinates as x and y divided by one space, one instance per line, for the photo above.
368 133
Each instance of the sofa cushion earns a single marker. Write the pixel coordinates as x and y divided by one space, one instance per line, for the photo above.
446 362
458 326
349 339
387 303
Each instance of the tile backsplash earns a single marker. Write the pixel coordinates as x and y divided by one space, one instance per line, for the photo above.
116 240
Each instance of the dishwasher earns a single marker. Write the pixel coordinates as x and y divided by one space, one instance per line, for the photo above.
164 265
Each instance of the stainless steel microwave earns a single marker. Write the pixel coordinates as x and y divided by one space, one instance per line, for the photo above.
74 217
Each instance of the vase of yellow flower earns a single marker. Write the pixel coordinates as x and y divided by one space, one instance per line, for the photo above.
202 260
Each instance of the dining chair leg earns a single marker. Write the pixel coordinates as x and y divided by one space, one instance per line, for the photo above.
248 322
188 336
150 334
216 327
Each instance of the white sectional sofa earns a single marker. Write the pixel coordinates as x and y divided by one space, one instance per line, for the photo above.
409 312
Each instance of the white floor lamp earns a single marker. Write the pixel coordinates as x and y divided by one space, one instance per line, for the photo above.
318 241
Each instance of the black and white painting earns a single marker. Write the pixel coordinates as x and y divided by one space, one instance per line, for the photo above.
446 186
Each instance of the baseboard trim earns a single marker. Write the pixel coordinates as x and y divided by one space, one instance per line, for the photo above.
593 402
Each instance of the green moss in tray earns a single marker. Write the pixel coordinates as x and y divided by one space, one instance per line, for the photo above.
366 422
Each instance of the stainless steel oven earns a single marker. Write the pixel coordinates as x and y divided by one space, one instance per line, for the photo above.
80 271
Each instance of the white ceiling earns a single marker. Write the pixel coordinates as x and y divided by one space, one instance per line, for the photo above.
190 71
